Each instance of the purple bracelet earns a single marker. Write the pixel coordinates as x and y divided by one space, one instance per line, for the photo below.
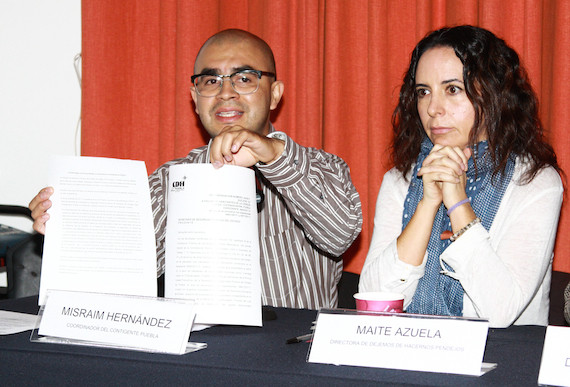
453 207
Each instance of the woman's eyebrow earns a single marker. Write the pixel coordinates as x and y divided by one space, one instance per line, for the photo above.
452 80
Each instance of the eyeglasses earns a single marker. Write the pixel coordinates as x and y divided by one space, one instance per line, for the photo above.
243 82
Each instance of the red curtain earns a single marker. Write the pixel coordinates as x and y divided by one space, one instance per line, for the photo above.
341 61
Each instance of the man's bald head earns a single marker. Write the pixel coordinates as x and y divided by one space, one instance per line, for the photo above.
234 37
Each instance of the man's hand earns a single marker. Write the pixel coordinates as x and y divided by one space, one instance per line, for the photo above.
236 145
39 205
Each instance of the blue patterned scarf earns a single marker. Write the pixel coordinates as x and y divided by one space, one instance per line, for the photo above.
437 293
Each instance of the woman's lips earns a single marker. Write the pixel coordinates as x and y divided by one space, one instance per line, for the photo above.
440 130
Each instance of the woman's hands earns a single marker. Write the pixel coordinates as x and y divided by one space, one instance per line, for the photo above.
444 178
443 174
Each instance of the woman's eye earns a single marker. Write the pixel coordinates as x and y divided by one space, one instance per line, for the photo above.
453 89
422 92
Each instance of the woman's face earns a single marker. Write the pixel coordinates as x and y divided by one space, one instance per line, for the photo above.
446 113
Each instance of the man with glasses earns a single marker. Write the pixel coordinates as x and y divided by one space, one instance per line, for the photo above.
309 210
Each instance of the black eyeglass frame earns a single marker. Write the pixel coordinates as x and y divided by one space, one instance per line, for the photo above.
258 72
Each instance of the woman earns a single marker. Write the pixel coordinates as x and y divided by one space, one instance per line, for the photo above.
466 220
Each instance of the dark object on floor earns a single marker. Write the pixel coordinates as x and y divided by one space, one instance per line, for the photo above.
268 313
567 303
24 265
557 285
347 287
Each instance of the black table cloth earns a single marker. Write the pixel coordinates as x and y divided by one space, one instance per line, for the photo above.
245 356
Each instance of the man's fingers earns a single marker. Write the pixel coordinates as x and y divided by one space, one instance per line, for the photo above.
39 205
43 195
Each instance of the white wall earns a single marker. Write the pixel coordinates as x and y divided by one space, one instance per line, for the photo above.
39 94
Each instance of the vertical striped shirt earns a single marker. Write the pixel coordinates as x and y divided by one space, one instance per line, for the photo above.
310 216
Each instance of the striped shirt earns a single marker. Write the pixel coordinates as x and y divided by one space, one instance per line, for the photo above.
310 216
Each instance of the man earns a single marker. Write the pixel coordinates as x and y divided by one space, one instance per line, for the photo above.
310 213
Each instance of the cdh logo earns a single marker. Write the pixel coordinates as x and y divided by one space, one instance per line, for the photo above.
178 185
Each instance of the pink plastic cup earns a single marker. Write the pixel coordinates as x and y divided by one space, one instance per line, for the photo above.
380 302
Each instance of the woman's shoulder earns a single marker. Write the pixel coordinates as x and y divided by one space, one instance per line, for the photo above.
394 183
546 177
394 175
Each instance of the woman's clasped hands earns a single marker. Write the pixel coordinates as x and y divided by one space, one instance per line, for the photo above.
444 175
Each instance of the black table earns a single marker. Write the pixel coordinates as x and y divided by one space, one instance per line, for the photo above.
245 356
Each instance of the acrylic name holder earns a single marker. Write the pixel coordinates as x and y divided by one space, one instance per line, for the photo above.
400 341
117 321
555 364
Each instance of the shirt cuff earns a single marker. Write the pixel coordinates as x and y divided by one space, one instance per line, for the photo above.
458 253
290 167
402 272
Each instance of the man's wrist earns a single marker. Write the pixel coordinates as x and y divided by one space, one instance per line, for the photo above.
278 147
278 141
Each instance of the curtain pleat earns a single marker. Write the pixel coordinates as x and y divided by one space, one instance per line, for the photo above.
342 63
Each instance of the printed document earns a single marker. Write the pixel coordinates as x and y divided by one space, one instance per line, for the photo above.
15 322
100 236
212 243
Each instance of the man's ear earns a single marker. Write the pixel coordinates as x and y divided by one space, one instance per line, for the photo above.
277 88
194 98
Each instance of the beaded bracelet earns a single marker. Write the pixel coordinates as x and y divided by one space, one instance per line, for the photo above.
462 231
453 207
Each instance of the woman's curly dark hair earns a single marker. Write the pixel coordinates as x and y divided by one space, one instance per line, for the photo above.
506 107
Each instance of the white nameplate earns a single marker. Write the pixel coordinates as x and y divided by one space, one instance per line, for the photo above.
399 341
555 364
121 321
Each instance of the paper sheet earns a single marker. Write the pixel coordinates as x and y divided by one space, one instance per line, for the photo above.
3 278
555 362
14 322
212 243
100 235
